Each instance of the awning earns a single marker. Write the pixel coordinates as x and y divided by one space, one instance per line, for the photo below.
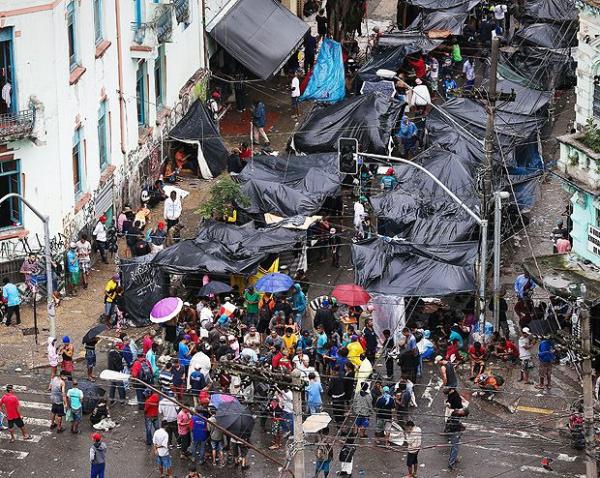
260 34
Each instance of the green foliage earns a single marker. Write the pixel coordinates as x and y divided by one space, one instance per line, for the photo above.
591 137
224 194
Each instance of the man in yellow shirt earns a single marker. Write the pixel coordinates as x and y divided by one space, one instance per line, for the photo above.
111 291
355 350
290 340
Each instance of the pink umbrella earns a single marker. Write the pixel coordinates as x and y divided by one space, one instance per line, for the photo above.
165 309
218 399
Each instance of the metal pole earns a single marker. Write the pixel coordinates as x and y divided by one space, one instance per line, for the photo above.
482 277
588 391
298 430
49 284
497 229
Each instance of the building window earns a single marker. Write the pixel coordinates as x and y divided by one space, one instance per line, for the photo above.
77 160
98 30
141 93
103 151
10 182
7 72
159 76
72 34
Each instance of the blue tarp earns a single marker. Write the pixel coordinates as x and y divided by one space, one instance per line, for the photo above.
326 83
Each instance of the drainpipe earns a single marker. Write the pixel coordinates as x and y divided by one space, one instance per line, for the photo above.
120 69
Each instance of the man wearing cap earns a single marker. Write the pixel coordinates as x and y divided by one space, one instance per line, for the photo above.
11 407
73 268
525 346
100 237
252 339
97 456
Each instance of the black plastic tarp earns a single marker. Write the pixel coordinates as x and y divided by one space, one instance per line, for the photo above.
527 101
368 118
439 4
386 58
290 185
223 248
449 21
551 10
260 34
421 212
413 40
547 35
198 127
402 269
144 286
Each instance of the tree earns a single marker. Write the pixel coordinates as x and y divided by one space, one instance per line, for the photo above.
225 194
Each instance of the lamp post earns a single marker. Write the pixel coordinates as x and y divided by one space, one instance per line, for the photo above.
48 257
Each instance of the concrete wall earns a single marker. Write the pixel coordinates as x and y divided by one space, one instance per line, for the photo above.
588 62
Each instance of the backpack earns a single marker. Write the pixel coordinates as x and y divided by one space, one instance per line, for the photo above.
146 374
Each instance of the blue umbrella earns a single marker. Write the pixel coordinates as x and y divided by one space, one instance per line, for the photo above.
274 282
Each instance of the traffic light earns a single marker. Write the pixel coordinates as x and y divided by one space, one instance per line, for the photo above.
348 155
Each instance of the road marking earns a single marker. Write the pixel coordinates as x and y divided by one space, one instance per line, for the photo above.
514 434
36 405
17 388
430 387
538 469
560 457
543 411
17 455
34 438
41 422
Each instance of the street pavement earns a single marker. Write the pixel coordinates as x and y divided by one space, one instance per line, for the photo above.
495 443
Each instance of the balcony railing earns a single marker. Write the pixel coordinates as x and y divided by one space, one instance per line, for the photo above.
182 11
17 125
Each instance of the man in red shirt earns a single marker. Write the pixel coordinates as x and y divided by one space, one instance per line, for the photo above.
11 406
142 370
151 416
477 356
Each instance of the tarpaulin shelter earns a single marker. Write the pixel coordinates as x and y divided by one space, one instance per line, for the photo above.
144 285
408 270
198 127
547 35
443 20
368 118
290 185
551 10
327 81
386 58
528 101
441 4
413 39
260 34
421 212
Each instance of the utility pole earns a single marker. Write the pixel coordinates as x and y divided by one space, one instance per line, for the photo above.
298 449
591 470
498 197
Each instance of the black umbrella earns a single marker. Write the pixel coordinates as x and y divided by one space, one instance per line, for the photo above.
542 327
214 287
236 418
93 333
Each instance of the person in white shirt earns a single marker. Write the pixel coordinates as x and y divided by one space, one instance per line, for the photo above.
295 89
84 250
500 15
100 237
168 411
525 346
469 72
359 217
173 209
160 443
412 438
421 97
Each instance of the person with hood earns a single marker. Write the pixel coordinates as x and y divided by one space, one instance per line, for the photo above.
98 456
362 408
407 135
299 304
383 415
389 181
52 358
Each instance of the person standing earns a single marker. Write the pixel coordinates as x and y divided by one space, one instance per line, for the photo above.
66 351
13 301
563 245
362 408
310 49
168 412
75 399
141 370
469 72
172 210
251 300
11 408
334 245
160 442
525 346
52 358
84 250
259 121
90 358
546 357
412 438
370 339
111 292
239 90
58 397
184 428
115 363
199 437
453 428
151 422
322 23
314 402
73 268
448 373
299 304
98 456
99 235
295 94
384 405
216 439
323 454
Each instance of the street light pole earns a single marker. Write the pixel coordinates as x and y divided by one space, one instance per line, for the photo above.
298 430
48 257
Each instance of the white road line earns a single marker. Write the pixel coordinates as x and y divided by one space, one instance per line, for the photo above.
515 434
19 437
36 405
539 469
560 457
17 455
41 422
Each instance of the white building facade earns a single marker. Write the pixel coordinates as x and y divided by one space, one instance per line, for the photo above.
85 83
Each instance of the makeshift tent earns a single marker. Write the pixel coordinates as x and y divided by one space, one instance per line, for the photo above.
440 4
290 185
144 285
420 211
199 128
386 58
413 39
327 82
442 21
406 270
227 249
527 100
368 118
551 10
260 34
547 35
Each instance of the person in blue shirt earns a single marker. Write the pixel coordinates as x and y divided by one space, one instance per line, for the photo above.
546 357
449 84
313 394
299 304
197 383
524 285
407 134
389 181
73 268
184 352
13 301
321 349
259 121
199 437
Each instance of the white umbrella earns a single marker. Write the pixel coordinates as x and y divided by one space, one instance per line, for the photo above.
113 376
199 359
316 422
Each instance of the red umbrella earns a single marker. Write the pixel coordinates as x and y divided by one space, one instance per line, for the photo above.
351 294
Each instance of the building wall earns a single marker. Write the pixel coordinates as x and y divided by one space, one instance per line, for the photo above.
584 214
43 70
588 62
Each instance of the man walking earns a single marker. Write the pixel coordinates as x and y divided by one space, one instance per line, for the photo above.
115 363
160 440
295 93
546 357
259 121
100 237
58 397
412 438
84 250
11 407
172 210
97 456
525 346
453 428
75 397
151 421
13 301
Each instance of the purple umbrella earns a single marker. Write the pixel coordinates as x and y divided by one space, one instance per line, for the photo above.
218 399
165 309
